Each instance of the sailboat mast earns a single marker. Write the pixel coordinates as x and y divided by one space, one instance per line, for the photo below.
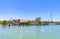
51 16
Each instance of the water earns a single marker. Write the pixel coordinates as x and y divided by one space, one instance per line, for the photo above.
30 32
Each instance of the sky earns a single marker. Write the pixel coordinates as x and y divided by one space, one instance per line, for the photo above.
30 9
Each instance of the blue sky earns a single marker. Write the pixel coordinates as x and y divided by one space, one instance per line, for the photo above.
30 9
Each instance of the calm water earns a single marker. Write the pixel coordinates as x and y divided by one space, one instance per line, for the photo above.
30 32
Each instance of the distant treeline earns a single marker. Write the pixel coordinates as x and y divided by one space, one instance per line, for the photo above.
37 21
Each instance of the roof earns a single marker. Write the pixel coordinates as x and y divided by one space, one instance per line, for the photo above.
23 20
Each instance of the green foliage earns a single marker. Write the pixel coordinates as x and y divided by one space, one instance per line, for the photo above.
38 20
4 22
46 22
29 21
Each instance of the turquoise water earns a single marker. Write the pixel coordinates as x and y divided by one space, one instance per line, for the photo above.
30 32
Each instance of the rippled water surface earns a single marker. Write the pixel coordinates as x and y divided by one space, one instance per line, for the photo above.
30 32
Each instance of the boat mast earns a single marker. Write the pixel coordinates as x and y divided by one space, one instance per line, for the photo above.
51 16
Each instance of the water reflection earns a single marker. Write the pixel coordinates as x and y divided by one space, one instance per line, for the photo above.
38 32
30 32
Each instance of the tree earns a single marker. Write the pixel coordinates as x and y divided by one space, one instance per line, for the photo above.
38 20
4 22
29 22
46 22
18 20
